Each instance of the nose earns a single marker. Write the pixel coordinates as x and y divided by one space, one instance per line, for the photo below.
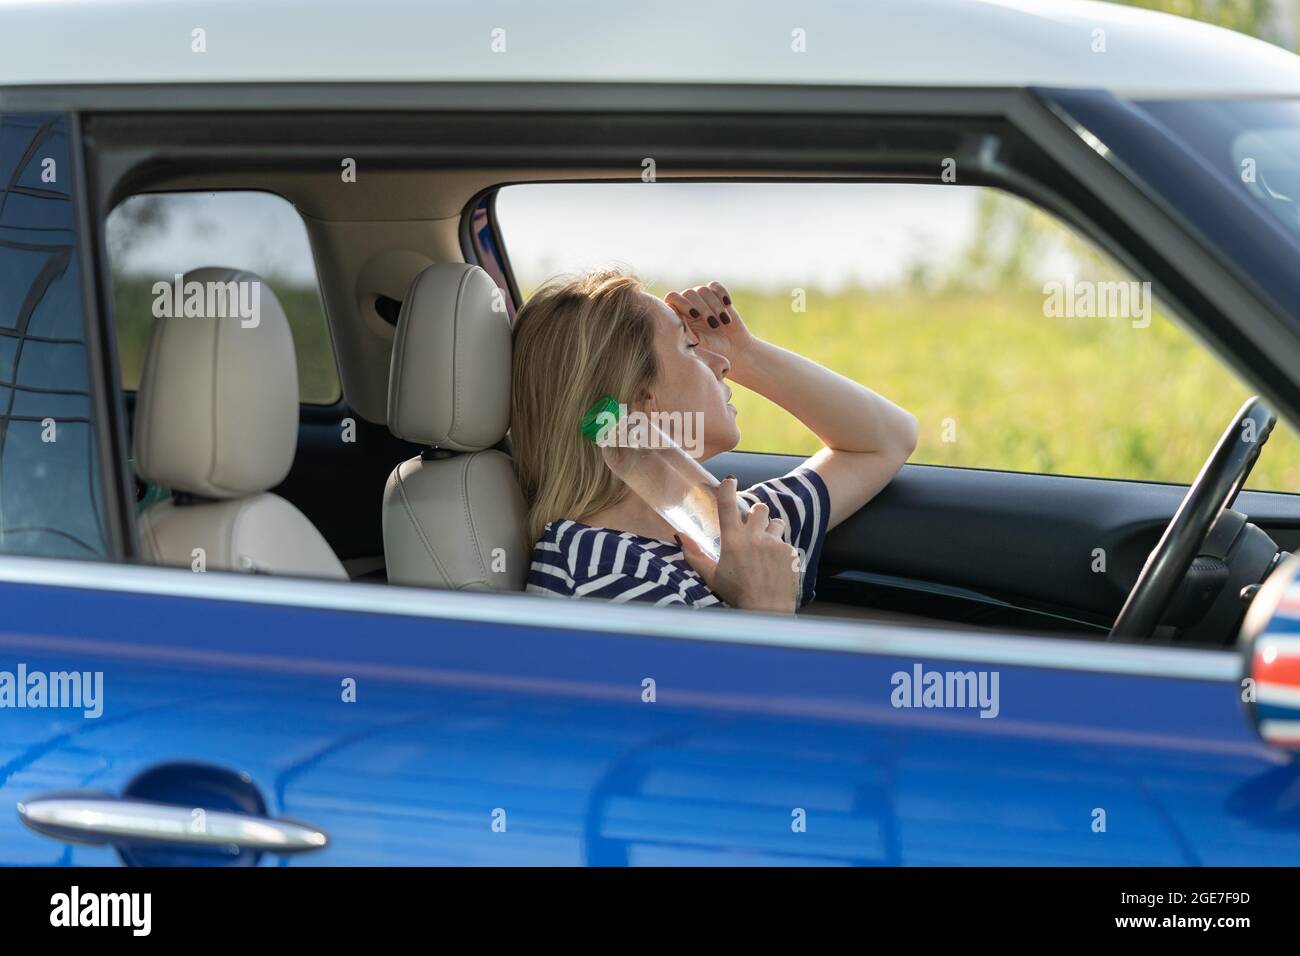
718 362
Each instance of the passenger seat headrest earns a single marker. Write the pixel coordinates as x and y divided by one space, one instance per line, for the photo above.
449 380
217 410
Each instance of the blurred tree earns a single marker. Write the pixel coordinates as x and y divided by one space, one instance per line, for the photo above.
1011 238
1258 18
134 221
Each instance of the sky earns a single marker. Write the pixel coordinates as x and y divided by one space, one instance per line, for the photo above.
773 235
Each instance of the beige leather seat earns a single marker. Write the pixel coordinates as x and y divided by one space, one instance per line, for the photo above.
217 424
453 516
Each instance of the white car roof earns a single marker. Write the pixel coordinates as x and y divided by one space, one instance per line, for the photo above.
967 43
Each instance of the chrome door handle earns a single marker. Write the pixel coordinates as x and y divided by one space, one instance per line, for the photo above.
106 819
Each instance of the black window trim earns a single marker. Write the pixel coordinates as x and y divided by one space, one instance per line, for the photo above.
101 354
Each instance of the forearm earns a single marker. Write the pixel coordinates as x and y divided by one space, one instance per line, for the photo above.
845 415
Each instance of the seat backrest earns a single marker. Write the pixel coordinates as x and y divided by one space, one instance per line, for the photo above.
216 423
453 516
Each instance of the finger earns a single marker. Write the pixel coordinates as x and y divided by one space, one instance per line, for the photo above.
728 507
721 291
713 300
709 312
682 306
727 312
776 527
758 516
677 302
700 563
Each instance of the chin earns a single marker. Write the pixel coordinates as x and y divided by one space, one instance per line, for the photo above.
724 443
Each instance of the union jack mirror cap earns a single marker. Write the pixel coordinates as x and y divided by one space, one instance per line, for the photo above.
1270 642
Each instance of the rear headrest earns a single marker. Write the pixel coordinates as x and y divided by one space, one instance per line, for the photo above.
217 410
449 381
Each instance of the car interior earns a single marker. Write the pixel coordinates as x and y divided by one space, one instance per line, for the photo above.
411 269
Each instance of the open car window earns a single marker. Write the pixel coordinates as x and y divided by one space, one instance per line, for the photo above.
1016 342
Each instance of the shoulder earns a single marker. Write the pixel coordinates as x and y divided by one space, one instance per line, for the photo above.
802 490
575 560
554 560
579 552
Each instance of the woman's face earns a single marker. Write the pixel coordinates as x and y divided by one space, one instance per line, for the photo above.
691 385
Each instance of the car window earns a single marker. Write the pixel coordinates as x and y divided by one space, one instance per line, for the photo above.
1016 342
51 499
152 238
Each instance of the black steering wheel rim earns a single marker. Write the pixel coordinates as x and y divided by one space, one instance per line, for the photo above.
1215 488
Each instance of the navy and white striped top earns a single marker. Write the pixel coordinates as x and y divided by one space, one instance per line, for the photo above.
576 560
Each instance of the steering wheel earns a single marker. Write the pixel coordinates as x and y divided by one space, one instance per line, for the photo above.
1214 489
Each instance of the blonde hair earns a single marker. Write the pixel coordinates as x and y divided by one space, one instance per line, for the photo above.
576 340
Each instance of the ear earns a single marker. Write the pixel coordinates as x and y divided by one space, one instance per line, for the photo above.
648 404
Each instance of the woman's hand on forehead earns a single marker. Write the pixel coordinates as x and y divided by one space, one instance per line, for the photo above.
711 318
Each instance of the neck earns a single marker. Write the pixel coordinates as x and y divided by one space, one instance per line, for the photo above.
634 515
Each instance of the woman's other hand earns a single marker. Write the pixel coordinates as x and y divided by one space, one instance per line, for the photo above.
756 570
709 312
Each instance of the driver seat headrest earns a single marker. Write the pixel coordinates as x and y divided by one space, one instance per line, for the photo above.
455 517
449 378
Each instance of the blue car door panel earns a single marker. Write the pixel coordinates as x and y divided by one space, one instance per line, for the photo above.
422 728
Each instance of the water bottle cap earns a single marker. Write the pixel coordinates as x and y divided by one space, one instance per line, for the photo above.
593 422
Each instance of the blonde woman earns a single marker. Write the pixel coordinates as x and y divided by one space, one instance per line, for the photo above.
602 334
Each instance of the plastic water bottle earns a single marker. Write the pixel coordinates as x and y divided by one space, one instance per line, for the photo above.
657 469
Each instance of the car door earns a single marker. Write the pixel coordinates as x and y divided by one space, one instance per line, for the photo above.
417 728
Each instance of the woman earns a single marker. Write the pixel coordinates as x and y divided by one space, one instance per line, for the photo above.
602 334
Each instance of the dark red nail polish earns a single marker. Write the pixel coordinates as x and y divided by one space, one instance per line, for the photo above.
729 478
713 323
726 300
726 320
695 313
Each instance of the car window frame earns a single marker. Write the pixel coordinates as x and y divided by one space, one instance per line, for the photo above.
498 264
1018 110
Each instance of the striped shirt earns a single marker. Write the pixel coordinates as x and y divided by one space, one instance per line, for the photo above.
576 560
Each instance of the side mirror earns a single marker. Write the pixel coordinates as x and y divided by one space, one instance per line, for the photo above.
1270 643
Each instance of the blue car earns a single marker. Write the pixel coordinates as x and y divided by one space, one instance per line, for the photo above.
261 579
